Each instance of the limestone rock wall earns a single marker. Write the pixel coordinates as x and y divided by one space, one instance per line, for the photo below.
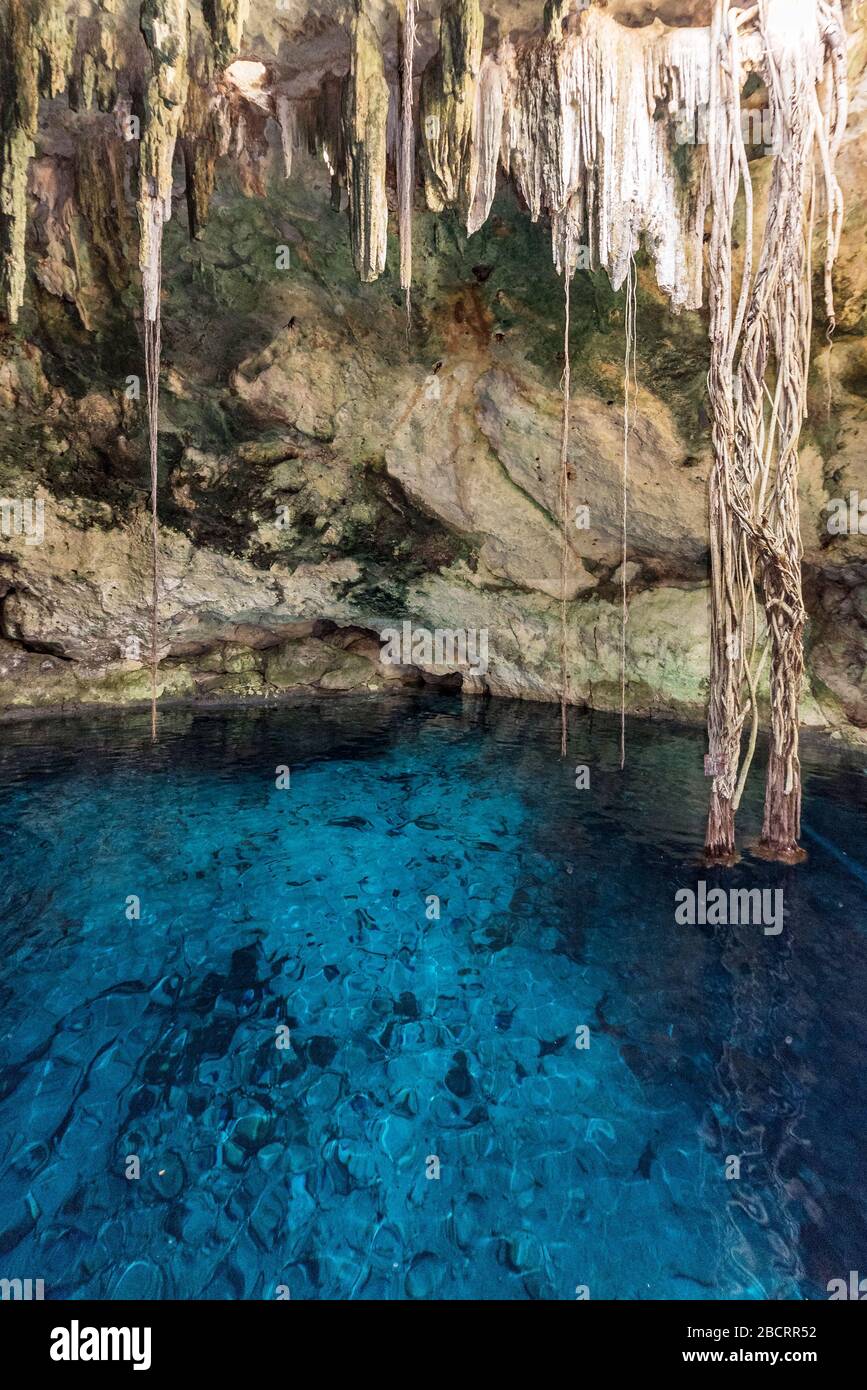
326 472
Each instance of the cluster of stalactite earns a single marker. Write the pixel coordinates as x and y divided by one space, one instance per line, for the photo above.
36 48
144 75
597 124
586 118
574 117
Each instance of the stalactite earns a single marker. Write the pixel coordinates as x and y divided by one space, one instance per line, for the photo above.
200 138
225 20
286 116
491 97
365 117
406 159
36 45
591 137
56 265
98 60
327 135
18 113
164 26
448 104
622 164
316 126
100 166
535 129
200 166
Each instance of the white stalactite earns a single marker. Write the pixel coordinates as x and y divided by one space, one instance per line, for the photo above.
595 138
164 26
406 148
365 123
287 121
487 143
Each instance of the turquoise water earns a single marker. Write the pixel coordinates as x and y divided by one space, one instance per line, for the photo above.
417 1042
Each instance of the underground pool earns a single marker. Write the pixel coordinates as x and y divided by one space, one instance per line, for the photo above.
379 998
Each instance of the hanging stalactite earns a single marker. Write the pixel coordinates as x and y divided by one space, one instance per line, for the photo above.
491 98
164 27
36 48
365 119
448 107
226 19
286 116
98 59
584 142
200 137
406 155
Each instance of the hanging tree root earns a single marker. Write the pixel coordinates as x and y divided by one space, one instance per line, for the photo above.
754 519
629 367
727 167
806 128
564 514
152 377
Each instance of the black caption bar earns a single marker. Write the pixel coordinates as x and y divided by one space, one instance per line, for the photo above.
81 1339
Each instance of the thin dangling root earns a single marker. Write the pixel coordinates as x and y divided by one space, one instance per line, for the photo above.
565 385
152 378
629 365
165 29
